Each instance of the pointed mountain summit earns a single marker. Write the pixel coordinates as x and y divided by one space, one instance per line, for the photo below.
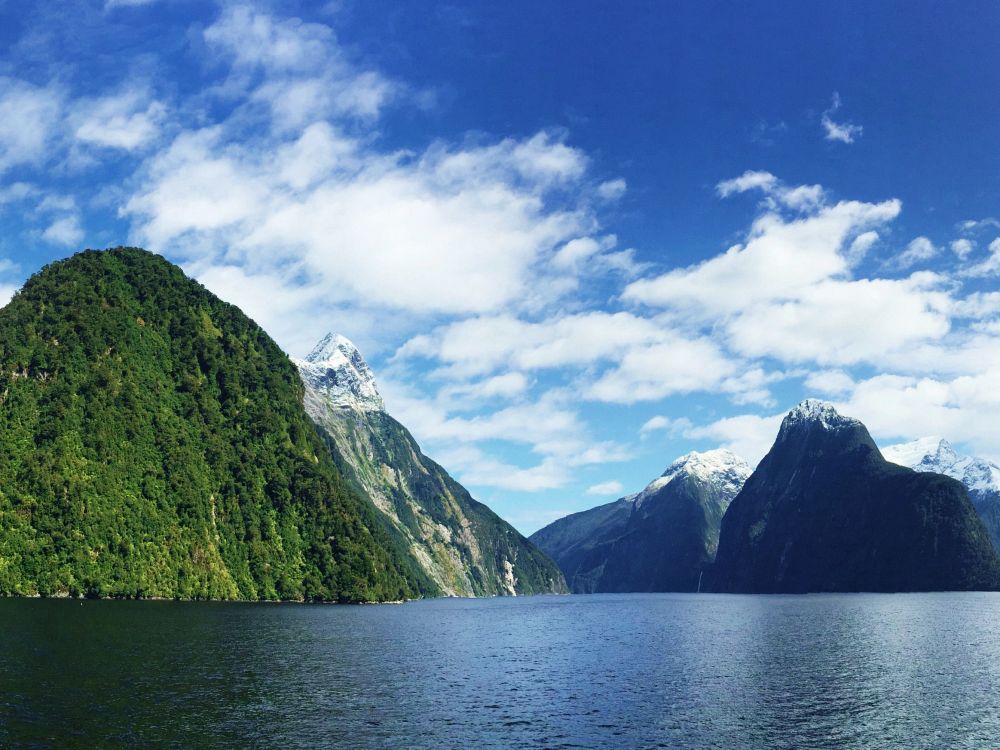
980 476
155 444
824 511
336 370
463 546
659 539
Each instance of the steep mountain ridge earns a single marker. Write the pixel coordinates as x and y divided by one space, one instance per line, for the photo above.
465 548
659 539
824 511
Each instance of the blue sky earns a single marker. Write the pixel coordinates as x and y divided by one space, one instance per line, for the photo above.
575 240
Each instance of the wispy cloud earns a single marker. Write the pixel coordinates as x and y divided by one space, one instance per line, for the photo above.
842 132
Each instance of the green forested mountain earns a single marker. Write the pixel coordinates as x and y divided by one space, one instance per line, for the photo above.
462 545
153 442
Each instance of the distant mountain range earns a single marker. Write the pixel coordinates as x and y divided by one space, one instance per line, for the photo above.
463 546
157 443
659 539
980 477
824 511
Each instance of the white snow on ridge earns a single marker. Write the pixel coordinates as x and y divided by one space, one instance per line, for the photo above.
934 454
719 467
336 369
814 411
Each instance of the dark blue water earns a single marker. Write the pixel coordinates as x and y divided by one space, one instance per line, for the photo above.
687 671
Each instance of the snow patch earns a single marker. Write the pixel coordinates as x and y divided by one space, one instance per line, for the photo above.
718 468
813 412
934 454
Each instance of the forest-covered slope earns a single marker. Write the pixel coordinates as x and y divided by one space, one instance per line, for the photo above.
153 442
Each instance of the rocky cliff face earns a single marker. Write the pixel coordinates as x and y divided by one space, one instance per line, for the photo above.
465 548
659 539
824 511
980 476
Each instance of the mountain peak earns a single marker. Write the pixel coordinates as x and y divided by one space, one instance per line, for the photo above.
719 467
936 455
330 346
813 412
336 369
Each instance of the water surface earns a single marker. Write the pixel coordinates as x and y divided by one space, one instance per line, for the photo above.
691 671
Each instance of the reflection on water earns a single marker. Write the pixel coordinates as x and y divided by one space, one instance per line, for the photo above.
838 671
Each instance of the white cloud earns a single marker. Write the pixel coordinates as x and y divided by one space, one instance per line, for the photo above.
962 248
380 231
482 344
830 382
988 267
843 132
860 247
506 386
977 225
611 190
127 120
907 407
746 435
17 192
778 261
749 180
845 322
919 249
661 423
606 488
29 116
674 365
64 231
296 69
799 197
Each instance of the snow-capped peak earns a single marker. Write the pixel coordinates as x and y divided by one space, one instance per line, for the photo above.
336 370
720 468
936 455
815 412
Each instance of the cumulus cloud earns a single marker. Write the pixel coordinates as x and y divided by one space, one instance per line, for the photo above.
127 120
962 248
918 250
842 132
65 231
845 322
778 261
380 230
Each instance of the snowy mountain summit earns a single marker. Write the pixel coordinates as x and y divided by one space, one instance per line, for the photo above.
718 468
813 412
937 455
336 369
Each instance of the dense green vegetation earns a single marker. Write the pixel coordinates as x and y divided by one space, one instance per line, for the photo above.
154 443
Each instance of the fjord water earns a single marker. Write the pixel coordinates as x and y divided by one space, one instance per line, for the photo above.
657 670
